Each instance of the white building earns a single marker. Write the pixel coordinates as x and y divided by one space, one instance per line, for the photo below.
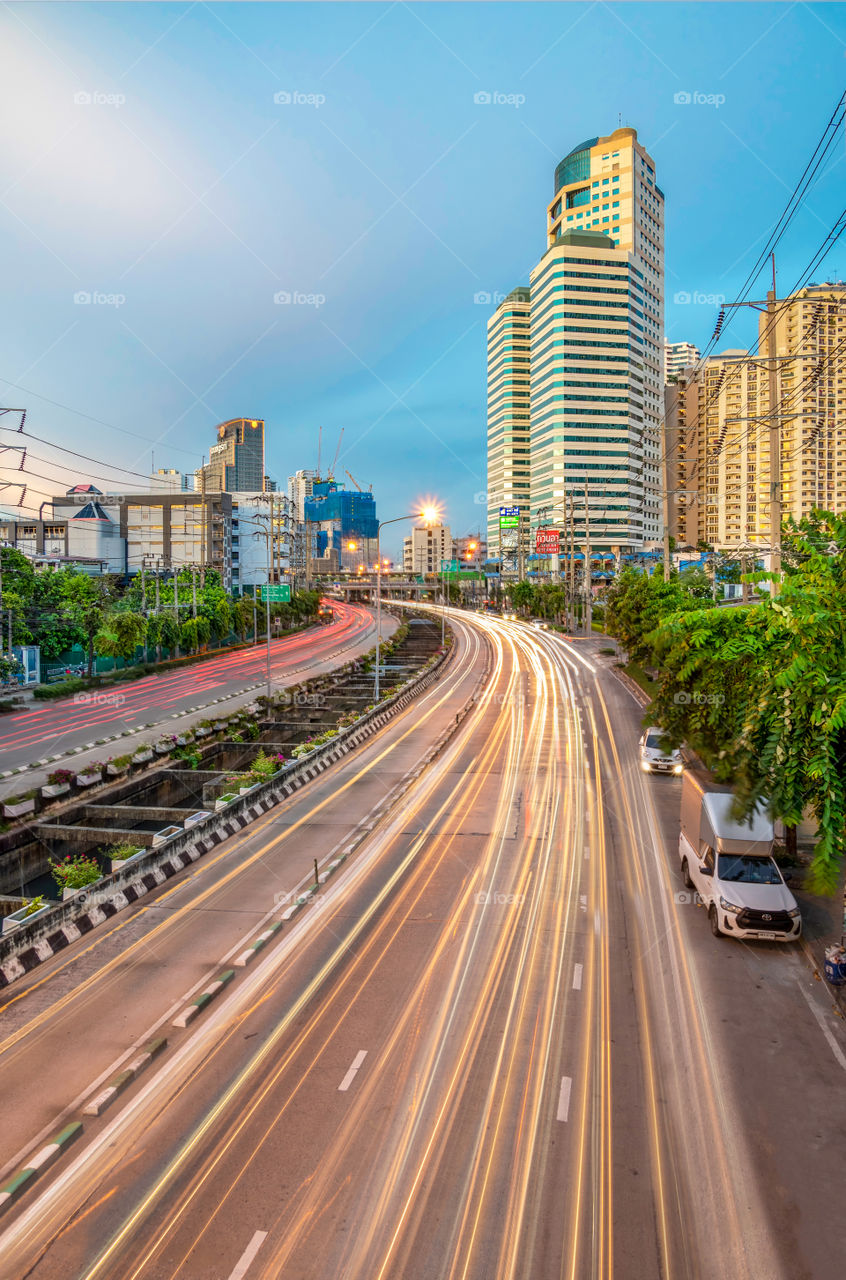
679 356
425 548
300 487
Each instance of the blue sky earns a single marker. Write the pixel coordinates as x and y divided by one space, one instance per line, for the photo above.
377 194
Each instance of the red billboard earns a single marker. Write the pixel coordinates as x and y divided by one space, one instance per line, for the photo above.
546 542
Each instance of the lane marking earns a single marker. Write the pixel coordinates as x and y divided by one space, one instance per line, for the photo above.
577 977
587 850
248 1255
834 1046
564 1098
351 1074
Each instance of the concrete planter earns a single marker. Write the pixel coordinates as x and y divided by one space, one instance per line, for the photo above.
166 833
183 741
142 757
202 732
88 779
222 801
163 748
117 863
194 818
116 770
18 809
53 789
17 918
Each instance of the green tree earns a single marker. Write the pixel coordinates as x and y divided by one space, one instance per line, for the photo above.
87 601
523 597
123 631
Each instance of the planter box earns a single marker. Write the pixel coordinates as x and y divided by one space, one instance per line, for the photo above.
163 748
52 789
117 863
202 732
18 809
194 818
182 741
166 833
142 757
88 779
222 801
116 770
17 918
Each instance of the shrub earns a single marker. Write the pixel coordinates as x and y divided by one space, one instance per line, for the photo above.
34 904
187 755
61 689
121 851
120 762
60 776
75 872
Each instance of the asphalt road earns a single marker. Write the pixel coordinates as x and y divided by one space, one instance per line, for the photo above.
502 1043
50 728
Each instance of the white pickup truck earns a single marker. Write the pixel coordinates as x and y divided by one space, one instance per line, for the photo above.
731 867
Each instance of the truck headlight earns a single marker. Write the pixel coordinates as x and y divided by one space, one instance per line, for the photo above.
729 906
795 913
677 768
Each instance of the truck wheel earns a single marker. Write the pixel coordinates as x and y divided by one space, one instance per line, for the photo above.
685 870
715 921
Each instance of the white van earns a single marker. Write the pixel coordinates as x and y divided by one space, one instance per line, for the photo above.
730 865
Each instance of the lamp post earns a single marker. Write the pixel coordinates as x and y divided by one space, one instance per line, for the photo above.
429 516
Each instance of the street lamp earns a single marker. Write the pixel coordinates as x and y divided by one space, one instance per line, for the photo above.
430 515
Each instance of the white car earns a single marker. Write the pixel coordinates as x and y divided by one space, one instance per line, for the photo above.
653 758
539 624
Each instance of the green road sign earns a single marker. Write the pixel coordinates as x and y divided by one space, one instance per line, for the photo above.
449 566
278 594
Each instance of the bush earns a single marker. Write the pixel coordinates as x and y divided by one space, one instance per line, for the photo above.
60 690
34 904
75 872
60 776
121 851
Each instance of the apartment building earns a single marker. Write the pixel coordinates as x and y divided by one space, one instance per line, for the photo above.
509 465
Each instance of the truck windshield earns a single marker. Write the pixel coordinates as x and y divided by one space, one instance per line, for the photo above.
754 870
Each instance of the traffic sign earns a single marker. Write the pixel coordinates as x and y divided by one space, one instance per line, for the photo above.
449 566
279 593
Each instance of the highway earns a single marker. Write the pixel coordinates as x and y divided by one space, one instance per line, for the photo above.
502 1043
54 727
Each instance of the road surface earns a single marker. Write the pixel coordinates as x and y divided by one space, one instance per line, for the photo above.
501 1044
50 728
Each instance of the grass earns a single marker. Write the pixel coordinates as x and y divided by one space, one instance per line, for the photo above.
649 686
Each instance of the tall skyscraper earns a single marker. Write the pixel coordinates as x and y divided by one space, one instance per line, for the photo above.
587 337
508 413
678 356
236 462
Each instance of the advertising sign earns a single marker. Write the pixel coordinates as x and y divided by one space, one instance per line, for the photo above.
547 541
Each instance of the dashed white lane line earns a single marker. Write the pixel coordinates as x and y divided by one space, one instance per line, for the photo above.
564 1098
351 1074
247 1256
577 977
834 1046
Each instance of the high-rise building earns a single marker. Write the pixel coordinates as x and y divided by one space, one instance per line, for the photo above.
718 427
594 327
300 486
678 356
236 462
509 472
345 522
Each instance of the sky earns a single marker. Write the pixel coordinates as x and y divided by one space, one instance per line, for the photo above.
302 211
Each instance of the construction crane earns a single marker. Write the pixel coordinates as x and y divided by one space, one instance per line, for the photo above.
331 475
319 447
357 485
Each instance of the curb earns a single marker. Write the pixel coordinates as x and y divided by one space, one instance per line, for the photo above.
125 1078
199 1002
255 947
10 1192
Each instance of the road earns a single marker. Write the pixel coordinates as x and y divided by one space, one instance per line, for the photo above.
56 727
502 1043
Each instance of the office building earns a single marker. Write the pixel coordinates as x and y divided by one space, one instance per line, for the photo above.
345 522
300 486
678 356
171 479
426 547
236 461
509 470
